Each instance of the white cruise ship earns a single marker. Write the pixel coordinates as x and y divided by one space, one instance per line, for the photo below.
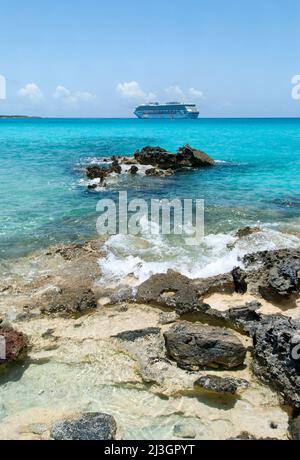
172 110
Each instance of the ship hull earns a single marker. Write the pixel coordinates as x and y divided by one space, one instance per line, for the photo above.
171 116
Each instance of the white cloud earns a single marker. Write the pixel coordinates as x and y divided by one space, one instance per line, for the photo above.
132 90
72 97
196 93
31 92
175 92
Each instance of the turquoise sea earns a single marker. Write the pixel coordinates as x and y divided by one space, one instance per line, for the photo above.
44 200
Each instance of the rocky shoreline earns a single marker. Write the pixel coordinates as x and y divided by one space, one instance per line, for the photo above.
164 339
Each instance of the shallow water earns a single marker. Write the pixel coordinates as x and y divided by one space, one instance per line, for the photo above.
83 370
42 199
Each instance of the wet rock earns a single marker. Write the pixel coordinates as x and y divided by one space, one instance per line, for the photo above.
245 436
37 428
188 156
223 385
92 186
134 170
69 300
115 167
184 431
246 231
88 427
12 344
274 274
193 345
95 172
129 161
168 172
154 172
156 157
171 290
294 429
133 336
147 347
276 358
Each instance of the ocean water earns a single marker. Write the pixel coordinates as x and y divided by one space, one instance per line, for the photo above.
44 199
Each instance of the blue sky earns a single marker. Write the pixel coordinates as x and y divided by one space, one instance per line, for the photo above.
101 58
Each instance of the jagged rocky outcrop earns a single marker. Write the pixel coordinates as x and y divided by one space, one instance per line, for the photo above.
171 290
186 157
160 162
276 356
194 345
87 427
12 344
176 291
185 296
221 385
244 318
275 275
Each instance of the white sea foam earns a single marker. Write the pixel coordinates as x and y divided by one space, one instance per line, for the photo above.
141 257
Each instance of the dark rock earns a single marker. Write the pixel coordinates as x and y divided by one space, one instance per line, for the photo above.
188 156
156 157
88 427
154 172
245 436
92 186
276 358
133 170
274 274
171 290
12 344
115 167
223 385
70 300
95 172
246 231
193 345
294 429
223 284
244 318
239 279
132 336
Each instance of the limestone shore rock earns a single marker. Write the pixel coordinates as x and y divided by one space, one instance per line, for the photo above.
70 300
194 345
88 427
